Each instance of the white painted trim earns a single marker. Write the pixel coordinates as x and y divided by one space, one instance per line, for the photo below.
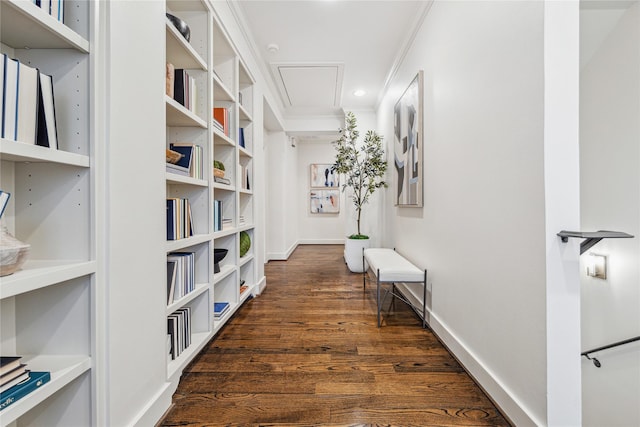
155 409
282 256
502 397
321 242
404 49
261 285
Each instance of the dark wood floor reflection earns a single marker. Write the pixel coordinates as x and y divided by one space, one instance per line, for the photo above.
308 352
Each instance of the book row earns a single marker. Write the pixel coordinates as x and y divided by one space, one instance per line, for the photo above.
16 381
27 113
221 119
179 331
179 222
219 222
54 8
181 86
190 162
181 272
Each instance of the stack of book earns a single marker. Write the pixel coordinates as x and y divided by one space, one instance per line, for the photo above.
222 180
179 330
220 309
16 381
181 271
28 111
227 223
221 119
179 224
243 287
241 220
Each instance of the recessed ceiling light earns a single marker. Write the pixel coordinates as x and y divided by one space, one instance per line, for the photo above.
360 92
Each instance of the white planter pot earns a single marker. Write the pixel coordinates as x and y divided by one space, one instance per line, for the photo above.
353 253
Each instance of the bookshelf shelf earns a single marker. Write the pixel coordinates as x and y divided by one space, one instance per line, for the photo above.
219 323
220 138
245 153
245 259
176 179
40 274
220 90
178 115
198 341
26 25
224 233
244 114
20 152
224 187
199 290
225 271
64 369
176 245
180 53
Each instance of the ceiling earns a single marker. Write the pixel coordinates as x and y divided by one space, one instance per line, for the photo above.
319 52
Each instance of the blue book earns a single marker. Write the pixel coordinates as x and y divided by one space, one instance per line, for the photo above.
241 137
187 153
219 308
18 391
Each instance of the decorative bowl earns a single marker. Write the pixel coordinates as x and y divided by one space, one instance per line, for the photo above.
13 253
180 25
218 255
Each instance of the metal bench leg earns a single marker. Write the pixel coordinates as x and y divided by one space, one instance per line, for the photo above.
378 294
424 301
364 272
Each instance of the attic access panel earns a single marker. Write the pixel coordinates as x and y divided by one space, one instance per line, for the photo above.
309 85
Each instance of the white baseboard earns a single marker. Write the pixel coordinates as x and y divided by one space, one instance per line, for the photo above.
262 284
511 407
321 242
156 408
281 256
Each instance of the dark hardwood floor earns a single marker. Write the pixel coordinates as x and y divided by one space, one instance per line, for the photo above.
308 352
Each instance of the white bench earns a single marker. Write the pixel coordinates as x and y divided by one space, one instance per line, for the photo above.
389 266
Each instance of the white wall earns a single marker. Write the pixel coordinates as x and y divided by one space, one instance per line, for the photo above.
610 198
314 228
482 232
282 195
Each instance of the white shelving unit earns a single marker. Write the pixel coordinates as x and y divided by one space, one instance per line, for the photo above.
223 81
48 308
185 126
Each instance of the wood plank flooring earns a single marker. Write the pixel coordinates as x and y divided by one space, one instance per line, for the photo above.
308 352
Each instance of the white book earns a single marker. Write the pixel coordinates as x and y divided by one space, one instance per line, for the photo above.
46 5
55 4
10 95
28 87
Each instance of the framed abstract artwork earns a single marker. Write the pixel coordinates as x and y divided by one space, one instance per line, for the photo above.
408 145
323 176
324 201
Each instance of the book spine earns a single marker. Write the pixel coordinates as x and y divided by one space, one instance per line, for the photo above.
15 393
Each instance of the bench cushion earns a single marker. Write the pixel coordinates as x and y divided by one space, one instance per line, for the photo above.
392 266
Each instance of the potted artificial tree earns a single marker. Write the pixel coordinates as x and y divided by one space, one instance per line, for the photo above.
363 166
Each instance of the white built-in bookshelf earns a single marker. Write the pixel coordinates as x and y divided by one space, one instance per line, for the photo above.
222 81
48 309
